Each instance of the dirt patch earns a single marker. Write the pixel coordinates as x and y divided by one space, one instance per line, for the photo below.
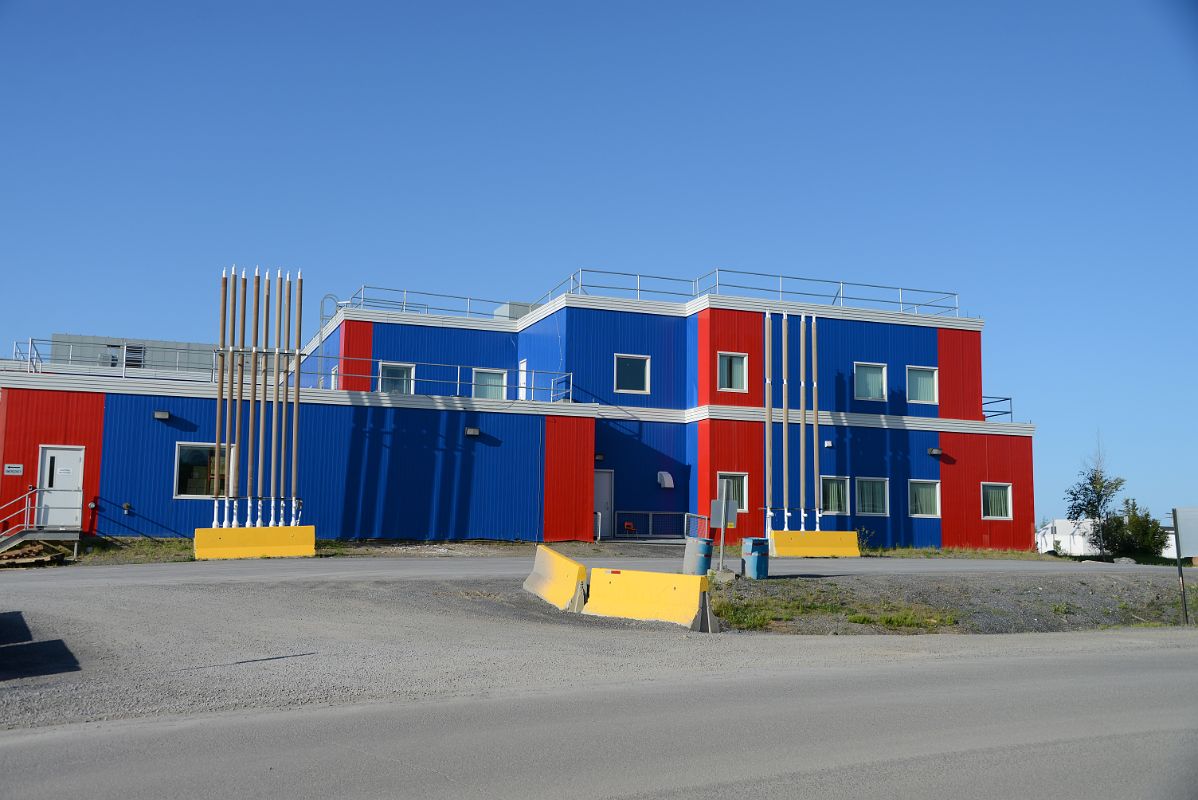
979 603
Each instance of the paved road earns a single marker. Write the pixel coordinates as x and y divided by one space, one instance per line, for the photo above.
467 567
1095 719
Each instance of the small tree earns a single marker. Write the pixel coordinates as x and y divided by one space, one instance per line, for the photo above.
1093 498
1135 533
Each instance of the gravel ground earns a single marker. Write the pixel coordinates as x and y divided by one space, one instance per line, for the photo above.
966 603
200 644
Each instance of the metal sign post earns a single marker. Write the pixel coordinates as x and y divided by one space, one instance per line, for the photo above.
722 515
1187 518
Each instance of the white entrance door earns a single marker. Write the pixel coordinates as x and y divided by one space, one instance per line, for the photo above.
522 380
604 502
60 487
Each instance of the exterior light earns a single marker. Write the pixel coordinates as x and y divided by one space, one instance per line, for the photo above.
162 415
935 451
472 432
598 456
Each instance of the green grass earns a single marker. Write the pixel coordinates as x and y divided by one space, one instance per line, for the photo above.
134 550
954 552
786 602
861 619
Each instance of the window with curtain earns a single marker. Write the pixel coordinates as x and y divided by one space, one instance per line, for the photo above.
925 498
921 385
996 501
731 371
739 488
834 495
871 497
632 374
195 469
396 378
489 384
869 381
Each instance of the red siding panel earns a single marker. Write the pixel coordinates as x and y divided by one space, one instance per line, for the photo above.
721 330
357 367
960 363
569 479
30 418
733 446
967 462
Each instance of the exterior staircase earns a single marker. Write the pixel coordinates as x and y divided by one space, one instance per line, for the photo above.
18 524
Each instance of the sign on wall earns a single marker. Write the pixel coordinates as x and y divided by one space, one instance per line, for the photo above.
14 469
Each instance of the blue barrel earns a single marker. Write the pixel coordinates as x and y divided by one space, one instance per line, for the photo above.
696 558
755 558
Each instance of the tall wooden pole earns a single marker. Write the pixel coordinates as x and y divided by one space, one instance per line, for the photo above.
299 344
785 421
283 423
768 369
236 458
220 396
815 444
250 440
803 422
230 363
262 407
274 420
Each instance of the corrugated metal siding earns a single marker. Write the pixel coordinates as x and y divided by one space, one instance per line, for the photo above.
636 452
970 459
569 476
721 330
319 364
733 446
426 345
897 455
544 345
32 418
357 369
692 459
692 361
960 354
842 342
594 337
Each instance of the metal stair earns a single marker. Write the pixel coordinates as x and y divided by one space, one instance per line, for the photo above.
18 518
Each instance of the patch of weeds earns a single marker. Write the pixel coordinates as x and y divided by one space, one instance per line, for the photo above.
135 550
749 616
1061 609
861 619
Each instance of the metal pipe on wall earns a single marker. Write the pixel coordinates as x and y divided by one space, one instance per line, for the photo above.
274 419
220 396
231 363
283 424
236 459
815 443
299 317
250 438
785 423
769 422
262 407
803 422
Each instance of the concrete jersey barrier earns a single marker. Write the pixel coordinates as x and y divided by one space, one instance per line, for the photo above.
814 544
281 542
662 596
558 580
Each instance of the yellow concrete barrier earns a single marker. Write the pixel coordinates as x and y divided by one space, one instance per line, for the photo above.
814 544
557 580
664 596
214 543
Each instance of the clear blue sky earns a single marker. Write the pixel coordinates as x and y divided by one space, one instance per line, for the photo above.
1041 158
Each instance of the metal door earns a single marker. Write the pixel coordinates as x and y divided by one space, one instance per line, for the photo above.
604 502
60 487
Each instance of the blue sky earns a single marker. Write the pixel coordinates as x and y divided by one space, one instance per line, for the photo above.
1039 158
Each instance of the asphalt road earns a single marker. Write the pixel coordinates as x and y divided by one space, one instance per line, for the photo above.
1099 725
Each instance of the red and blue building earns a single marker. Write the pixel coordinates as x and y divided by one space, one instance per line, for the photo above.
431 417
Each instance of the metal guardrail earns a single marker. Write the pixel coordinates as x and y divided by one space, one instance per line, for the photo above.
998 407
649 525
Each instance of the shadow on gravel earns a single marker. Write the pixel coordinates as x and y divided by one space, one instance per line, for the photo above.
32 659
13 629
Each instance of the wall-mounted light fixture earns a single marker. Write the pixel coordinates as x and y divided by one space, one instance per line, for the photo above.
827 442
598 456
472 432
665 480
162 415
935 451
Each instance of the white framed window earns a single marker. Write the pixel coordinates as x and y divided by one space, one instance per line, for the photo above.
834 495
333 378
732 372
397 378
631 374
489 384
924 498
923 385
195 470
996 501
873 497
739 487
869 381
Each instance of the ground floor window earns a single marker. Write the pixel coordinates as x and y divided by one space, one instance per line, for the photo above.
834 495
996 501
873 499
738 488
195 470
397 378
925 498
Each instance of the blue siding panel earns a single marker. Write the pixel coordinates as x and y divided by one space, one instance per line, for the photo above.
450 347
594 337
692 361
320 363
636 452
543 344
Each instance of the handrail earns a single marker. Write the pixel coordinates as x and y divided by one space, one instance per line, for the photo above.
24 510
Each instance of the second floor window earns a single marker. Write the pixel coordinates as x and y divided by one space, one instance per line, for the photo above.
632 374
732 369
396 378
921 385
869 381
490 384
